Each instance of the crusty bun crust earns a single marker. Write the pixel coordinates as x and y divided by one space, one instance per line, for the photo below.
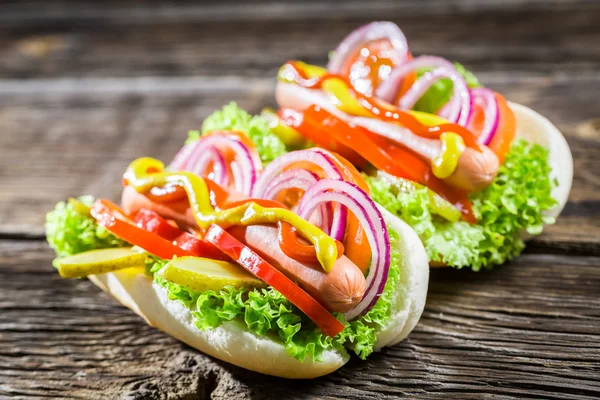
233 343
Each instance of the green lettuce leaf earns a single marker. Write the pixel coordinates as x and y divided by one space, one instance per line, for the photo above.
515 201
267 312
441 91
71 230
232 117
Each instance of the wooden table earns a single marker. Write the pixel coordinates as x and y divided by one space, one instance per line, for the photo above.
86 87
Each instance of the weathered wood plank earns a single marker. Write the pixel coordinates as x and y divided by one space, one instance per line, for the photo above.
94 40
68 137
528 330
150 12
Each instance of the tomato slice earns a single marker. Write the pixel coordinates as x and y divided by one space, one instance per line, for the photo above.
114 219
200 248
506 131
254 264
153 222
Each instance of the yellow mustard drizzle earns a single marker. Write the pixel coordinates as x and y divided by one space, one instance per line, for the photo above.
428 119
340 96
145 173
287 74
445 164
288 135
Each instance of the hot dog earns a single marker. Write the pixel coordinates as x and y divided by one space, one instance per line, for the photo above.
277 326
423 123
339 290
475 169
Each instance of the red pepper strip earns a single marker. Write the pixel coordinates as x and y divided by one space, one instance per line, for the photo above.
321 121
294 119
254 264
384 112
153 222
387 156
293 247
166 194
506 131
111 217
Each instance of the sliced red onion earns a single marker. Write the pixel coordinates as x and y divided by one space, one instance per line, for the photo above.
331 220
181 157
369 216
459 107
418 89
313 156
197 156
445 110
202 157
388 90
292 178
485 97
363 35
297 178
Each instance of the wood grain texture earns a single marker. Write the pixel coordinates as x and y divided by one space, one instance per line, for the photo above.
528 330
79 44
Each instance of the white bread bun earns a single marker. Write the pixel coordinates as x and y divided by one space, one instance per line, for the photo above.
233 343
531 126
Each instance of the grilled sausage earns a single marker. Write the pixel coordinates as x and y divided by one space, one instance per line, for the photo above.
475 170
339 290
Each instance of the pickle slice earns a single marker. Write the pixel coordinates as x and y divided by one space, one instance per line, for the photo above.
98 262
288 135
201 274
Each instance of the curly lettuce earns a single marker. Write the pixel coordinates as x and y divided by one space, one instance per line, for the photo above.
440 92
267 312
70 229
232 117
514 202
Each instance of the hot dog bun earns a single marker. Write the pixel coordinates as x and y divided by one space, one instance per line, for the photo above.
232 343
531 126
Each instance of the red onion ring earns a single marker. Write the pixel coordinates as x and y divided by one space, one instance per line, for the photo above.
364 34
332 221
292 178
278 165
298 178
369 216
487 99
459 108
196 157
388 90
200 159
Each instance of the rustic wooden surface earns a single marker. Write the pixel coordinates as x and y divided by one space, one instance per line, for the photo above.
85 87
